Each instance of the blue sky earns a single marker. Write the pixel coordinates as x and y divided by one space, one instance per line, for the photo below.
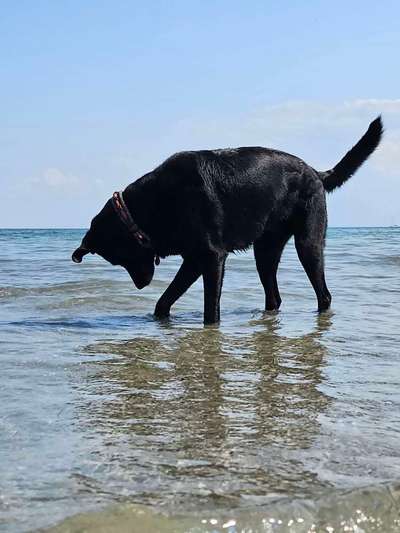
94 94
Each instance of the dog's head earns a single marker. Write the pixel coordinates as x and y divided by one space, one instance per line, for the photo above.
109 238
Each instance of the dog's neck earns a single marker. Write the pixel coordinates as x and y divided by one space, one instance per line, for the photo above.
140 202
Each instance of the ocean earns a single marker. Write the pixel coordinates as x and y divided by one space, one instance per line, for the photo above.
285 421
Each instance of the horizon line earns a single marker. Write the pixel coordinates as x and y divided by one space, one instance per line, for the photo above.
82 228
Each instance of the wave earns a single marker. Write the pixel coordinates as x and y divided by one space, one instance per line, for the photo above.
108 321
66 288
375 508
392 260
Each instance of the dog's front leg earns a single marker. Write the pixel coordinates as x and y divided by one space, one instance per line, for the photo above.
188 273
213 274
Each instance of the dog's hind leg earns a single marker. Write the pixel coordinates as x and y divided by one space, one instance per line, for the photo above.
267 252
213 274
310 241
188 273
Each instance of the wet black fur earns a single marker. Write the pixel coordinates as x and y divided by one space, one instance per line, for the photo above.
204 204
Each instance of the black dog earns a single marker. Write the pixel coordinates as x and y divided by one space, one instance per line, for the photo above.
204 204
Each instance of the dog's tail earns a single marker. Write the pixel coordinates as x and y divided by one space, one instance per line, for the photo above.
354 158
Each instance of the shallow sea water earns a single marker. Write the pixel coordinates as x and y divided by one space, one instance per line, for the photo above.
285 416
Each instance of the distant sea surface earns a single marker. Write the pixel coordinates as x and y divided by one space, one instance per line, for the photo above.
289 419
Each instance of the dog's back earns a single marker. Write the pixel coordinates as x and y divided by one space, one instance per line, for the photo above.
234 192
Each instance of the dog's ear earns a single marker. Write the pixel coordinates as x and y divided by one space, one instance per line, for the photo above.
79 254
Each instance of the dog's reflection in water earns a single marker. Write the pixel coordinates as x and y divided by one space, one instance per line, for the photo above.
234 409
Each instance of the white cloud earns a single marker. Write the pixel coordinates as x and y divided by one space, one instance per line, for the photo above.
387 158
376 104
56 179
301 116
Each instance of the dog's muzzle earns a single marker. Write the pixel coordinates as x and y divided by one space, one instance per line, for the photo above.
79 254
